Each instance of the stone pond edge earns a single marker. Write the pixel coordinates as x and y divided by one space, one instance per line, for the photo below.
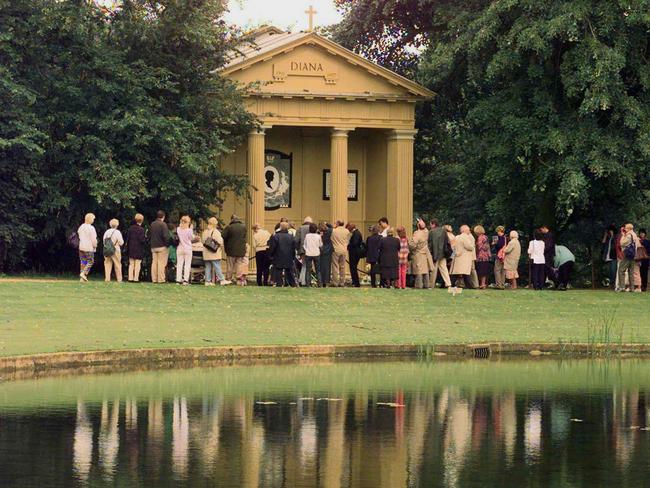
60 360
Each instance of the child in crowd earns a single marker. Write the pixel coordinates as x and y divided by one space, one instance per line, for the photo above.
403 257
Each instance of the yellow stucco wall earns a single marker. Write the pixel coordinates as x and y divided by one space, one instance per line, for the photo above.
311 155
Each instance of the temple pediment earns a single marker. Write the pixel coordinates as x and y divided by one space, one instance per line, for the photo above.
307 65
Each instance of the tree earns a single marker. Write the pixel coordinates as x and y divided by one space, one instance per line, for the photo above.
543 109
113 112
21 140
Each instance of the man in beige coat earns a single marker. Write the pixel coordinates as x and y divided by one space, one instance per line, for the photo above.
420 256
464 255
340 241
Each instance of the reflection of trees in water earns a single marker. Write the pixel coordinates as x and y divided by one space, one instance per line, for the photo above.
452 436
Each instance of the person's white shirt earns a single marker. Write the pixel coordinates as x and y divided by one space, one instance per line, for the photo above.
384 233
115 236
536 251
313 243
87 238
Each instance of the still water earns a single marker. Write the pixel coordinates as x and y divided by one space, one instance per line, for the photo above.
515 423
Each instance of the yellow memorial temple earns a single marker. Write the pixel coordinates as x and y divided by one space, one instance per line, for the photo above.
336 134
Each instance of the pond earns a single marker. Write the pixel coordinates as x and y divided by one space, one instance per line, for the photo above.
443 423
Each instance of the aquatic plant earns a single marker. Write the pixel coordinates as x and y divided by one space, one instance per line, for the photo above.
605 334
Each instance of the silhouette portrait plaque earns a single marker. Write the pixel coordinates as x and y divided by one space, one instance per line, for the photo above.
277 180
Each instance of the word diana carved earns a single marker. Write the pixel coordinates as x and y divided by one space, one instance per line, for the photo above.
303 68
308 67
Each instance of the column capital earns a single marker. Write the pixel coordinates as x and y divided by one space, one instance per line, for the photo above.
260 131
340 131
402 134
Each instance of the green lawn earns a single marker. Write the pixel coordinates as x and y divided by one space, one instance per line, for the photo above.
48 316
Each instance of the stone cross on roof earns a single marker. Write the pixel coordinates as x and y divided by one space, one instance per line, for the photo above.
311 12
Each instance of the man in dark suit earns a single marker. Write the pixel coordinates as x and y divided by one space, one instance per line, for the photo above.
372 255
282 249
438 243
549 253
159 240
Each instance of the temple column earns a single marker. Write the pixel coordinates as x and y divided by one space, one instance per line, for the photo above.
399 191
255 170
339 174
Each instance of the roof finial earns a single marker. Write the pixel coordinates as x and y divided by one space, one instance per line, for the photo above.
311 12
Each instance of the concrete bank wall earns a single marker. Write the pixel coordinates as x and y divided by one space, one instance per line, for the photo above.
44 362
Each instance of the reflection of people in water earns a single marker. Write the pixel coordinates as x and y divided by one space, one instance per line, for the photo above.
269 179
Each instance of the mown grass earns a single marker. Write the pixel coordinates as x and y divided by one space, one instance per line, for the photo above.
49 316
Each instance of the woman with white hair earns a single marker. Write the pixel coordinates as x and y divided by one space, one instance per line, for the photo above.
87 246
184 250
113 242
511 261
464 256
213 253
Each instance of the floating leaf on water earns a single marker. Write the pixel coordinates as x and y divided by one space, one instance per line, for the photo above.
266 403
306 399
576 420
329 399
390 404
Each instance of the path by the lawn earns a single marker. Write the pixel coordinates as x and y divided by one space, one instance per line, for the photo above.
39 316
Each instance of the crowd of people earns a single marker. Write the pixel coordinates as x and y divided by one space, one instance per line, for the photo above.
322 254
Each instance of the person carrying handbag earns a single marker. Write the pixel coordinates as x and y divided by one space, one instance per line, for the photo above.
213 254
628 266
643 258
113 242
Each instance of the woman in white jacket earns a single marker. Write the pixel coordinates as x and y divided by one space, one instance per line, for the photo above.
87 246
536 256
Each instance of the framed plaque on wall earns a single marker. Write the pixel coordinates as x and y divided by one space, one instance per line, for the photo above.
277 180
353 185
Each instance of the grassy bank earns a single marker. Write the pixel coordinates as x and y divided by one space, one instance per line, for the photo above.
57 315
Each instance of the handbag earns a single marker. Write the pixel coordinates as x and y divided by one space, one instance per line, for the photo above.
630 251
211 244
641 254
109 246
363 250
73 240
501 255
173 240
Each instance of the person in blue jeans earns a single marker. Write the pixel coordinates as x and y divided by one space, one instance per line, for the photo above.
212 259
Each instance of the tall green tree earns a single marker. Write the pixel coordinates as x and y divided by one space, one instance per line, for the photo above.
111 113
21 138
543 109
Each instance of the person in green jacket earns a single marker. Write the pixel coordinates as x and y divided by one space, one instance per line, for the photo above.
235 239
563 262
